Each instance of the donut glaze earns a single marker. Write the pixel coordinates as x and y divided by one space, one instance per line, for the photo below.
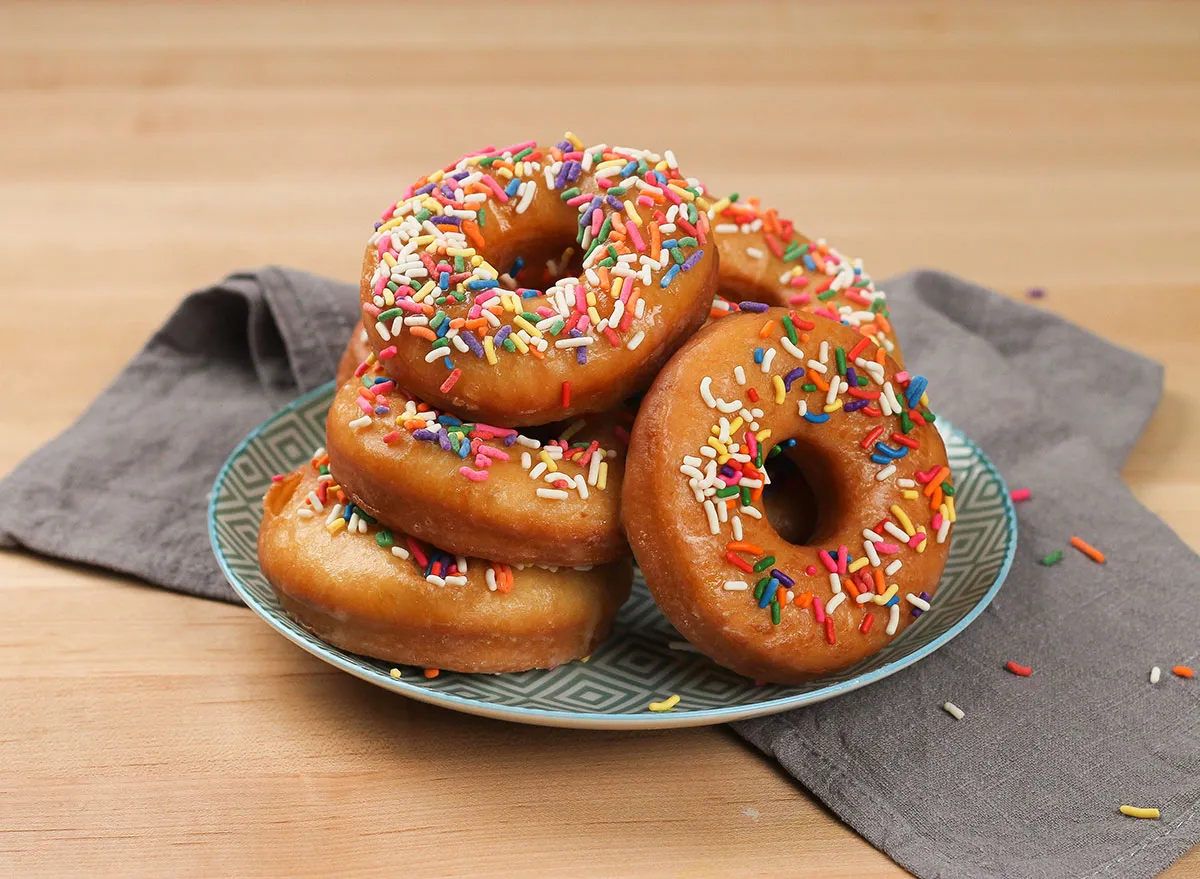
370 593
475 489
764 258
745 388
452 324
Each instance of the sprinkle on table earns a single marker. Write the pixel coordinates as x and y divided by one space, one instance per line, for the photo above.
431 673
1088 550
666 704
1018 669
1140 812
1183 671
1155 674
953 710
395 673
1020 494
1053 559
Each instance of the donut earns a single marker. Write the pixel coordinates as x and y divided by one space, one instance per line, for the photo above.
476 489
357 350
764 259
752 386
381 593
453 318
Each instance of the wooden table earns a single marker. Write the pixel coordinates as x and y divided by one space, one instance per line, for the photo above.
153 150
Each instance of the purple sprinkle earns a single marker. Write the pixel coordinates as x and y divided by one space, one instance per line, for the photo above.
756 307
377 225
472 343
916 611
382 410
510 438
727 471
424 434
565 145
612 202
783 578
446 221
561 178
1035 293
581 355
503 334
851 377
576 170
424 190
926 596
444 439
447 191
793 376
692 260
458 175
855 405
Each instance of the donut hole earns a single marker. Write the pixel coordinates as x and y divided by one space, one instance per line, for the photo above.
800 502
541 258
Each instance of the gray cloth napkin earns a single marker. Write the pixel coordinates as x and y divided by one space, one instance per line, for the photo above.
1028 784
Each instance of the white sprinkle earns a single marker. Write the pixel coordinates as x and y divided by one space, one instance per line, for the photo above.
751 512
316 501
637 338
706 392
886 471
526 461
767 358
670 157
896 532
640 308
360 423
835 602
456 581
736 524
528 442
435 580
739 374
916 601
906 483
352 525
383 331
872 536
723 513
824 355
304 513
552 494
802 408
736 585
435 354
953 710
754 253
864 597
790 348
893 567
893 619
819 367
682 646
577 342
1155 674
399 551
943 530
869 549
594 469
489 577
581 486
537 471
835 582
834 386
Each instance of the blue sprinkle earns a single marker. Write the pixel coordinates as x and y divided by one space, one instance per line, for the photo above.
444 280
885 449
809 264
769 593
348 512
670 243
895 599
517 265
449 420
479 284
669 277
881 459
448 362
629 169
758 355
464 450
916 387
816 418
379 379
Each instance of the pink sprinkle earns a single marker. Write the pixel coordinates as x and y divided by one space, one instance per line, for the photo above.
638 243
902 376
752 444
361 369
578 200
380 284
371 311
388 353
1021 494
915 540
483 461
580 299
841 563
495 187
799 299
645 201
473 475
811 570
409 306
887 548
596 222
384 387
828 562
278 477
818 610
672 195
937 521
364 405
390 438
496 454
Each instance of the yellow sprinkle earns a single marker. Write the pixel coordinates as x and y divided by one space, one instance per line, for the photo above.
489 350
585 658
902 518
685 194
593 315
395 673
460 251
719 206
390 260
393 222
1131 811
333 488
335 527
834 406
953 516
615 293
578 144
702 203
925 542
528 327
543 455
519 342
735 425
602 479
477 261
718 445
666 704
887 596
389 298
511 302
632 212
925 401
591 298
423 239
436 176
425 290
858 564
763 434
777 381
910 494
504 173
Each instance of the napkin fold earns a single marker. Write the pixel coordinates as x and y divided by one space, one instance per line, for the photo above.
1028 784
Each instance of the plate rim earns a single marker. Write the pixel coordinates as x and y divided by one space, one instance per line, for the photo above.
594 719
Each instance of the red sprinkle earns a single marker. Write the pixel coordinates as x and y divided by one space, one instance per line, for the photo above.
566 394
868 621
829 634
739 562
451 380
1021 494
752 394
390 438
278 477
875 434
1022 670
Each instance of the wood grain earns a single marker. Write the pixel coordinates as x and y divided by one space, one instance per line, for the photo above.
148 150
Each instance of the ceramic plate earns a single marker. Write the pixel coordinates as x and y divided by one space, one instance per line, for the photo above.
636 664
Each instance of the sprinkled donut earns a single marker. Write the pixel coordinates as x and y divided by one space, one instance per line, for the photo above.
764 259
381 593
446 283
476 489
747 388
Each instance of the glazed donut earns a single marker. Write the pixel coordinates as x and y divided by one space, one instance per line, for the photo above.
379 593
449 315
475 489
763 258
745 388
357 351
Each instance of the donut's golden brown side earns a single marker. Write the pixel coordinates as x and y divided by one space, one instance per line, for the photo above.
630 302
510 501
358 596
357 350
763 258
687 566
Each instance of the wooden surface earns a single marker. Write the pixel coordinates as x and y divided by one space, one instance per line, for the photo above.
146 152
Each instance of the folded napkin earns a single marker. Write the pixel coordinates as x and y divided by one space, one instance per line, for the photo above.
1027 784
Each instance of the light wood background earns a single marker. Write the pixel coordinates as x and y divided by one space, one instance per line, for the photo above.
146 151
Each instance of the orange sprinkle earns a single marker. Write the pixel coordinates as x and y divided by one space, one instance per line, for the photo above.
937 480
816 379
803 338
1183 671
880 586
781 595
457 322
655 242
475 323
804 599
880 356
423 333
936 500
868 329
1088 550
431 672
883 322
471 229
741 546
603 273
766 330
849 586
414 424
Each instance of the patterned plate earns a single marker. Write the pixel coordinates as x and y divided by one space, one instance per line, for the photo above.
636 664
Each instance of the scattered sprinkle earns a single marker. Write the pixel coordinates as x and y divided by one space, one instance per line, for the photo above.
1183 671
1088 550
395 673
1140 812
1035 293
432 673
1053 559
1017 669
665 705
1155 674
953 710
1020 494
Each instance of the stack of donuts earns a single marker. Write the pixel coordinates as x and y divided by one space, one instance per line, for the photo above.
573 356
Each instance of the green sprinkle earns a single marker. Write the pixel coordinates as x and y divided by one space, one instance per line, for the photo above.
677 255
384 538
608 262
745 492
489 161
760 587
876 306
790 329
691 209
598 156
443 343
862 381
617 190
605 230
906 423
324 469
530 316
775 450
569 194
733 197
437 320
455 441
522 154
392 285
482 216
390 314
808 387
929 417
947 489
827 295
612 251
840 354
775 612
509 345
557 327
764 563
459 265
688 241
727 491
423 215
1053 559
642 167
